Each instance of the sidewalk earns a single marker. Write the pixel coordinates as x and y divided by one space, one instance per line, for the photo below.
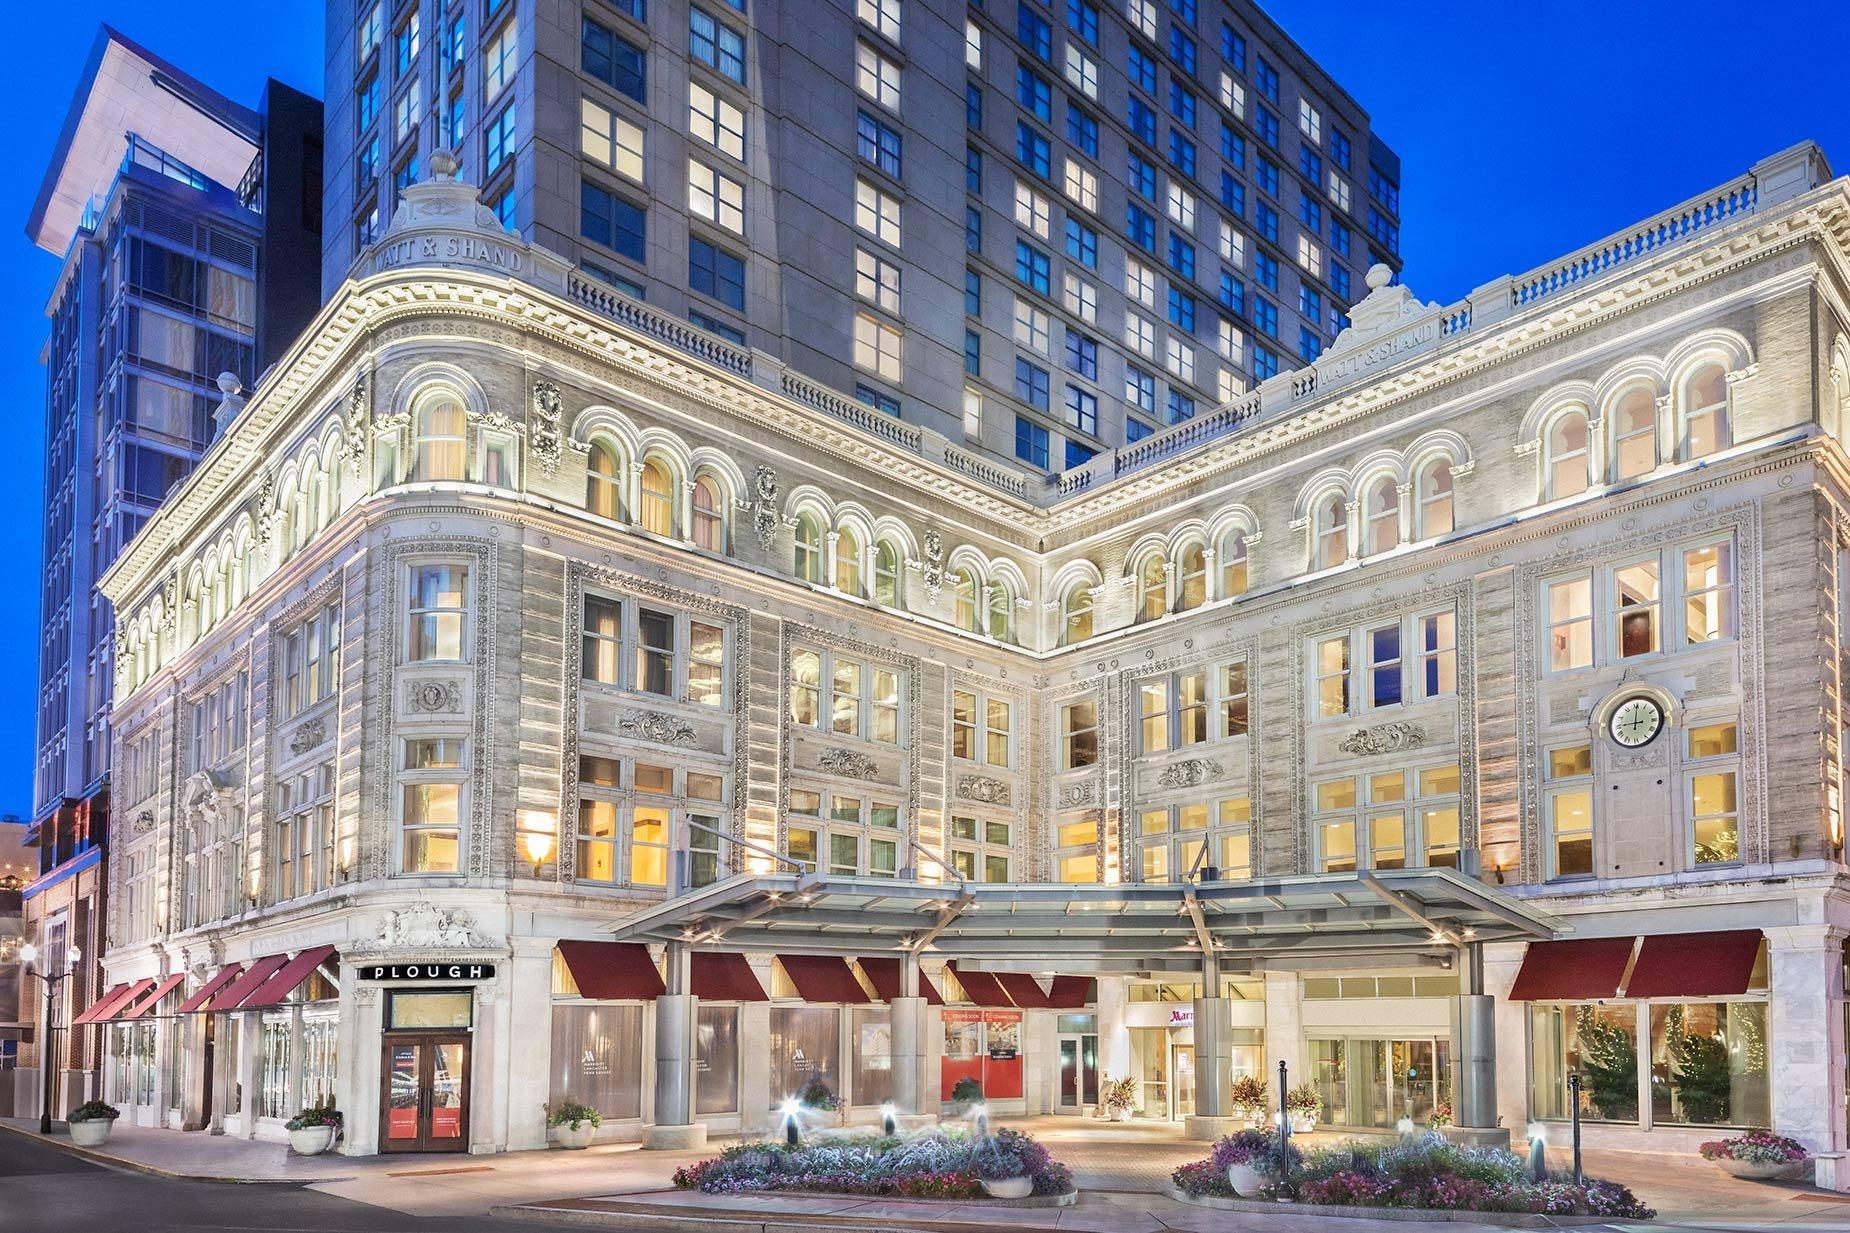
1120 1169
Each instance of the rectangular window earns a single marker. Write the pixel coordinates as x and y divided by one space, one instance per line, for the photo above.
1078 734
845 695
1708 593
876 212
438 612
716 45
1570 623
500 138
877 142
712 271
981 728
881 15
876 76
715 121
614 60
1636 595
610 220
715 197
878 347
876 280
431 795
1031 442
608 138
1333 676
498 60
1713 750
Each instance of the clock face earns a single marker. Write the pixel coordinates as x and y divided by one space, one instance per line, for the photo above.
1637 721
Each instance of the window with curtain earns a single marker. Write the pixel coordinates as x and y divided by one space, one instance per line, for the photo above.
441 432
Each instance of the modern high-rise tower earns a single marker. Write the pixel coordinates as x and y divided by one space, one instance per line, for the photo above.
1039 229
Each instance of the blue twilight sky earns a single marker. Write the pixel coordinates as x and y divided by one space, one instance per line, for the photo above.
1524 132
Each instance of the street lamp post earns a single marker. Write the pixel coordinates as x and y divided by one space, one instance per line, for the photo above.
48 1054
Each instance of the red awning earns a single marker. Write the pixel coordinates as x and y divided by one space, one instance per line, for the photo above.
1023 990
111 997
823 978
725 976
1572 970
248 982
981 987
146 1003
620 971
1070 992
288 979
1696 965
883 972
197 999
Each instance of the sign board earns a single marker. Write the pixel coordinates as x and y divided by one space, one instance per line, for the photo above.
467 969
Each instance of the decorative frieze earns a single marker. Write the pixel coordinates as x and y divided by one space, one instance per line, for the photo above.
1384 738
984 789
656 727
848 763
433 697
1189 773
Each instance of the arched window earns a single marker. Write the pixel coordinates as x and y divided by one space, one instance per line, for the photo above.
441 430
1435 497
808 542
1001 613
1076 614
969 616
1232 564
604 483
1704 407
1332 531
1383 514
848 563
886 574
1193 591
1567 454
1152 588
657 505
1634 434
709 514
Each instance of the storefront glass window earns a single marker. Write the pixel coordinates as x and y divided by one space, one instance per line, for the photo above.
1709 1064
716 1059
447 1009
318 1059
273 1069
873 1057
1329 1071
805 1048
597 1058
176 1061
1600 1042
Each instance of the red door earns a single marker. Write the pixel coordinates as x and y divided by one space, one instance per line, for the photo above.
424 1094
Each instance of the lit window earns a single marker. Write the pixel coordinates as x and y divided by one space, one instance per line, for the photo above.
1634 434
1332 531
876 280
1382 515
441 429
1081 185
1567 454
431 805
844 695
982 728
882 15
715 121
1708 590
878 347
973 44
608 138
1703 411
876 212
876 76
715 197
1033 327
1636 595
1570 623
1082 71
498 62
1569 796
1033 212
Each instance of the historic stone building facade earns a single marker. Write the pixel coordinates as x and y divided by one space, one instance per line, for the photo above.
505 606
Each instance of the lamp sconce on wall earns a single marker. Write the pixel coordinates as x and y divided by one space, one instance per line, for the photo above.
539 837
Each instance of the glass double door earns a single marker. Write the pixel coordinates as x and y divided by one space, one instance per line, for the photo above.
1376 1083
1078 1071
424 1099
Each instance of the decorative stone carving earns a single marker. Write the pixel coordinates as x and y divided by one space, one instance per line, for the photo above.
266 505
355 445
1188 774
1384 738
1072 795
143 823
547 440
307 736
204 797
657 727
931 570
763 506
425 926
434 697
847 762
983 788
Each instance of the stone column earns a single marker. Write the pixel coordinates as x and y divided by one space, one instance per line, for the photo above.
249 1072
675 1128
1474 1056
1501 963
527 1052
1284 1027
1806 1055
1213 1116
908 1018
1114 1039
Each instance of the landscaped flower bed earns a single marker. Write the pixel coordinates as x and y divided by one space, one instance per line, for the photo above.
1430 1173
940 1163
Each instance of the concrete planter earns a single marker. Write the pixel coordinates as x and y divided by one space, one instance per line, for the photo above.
92 1133
1754 1171
311 1140
1008 1187
1247 1182
576 1137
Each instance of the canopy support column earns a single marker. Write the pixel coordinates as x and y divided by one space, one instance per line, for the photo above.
1474 1055
675 1128
908 1012
1213 1116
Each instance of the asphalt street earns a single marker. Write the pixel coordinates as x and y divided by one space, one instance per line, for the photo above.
45 1190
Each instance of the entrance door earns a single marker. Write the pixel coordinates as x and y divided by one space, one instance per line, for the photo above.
1183 1089
424 1098
1078 1071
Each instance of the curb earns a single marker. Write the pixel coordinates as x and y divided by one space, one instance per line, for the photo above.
136 1166
641 1216
1506 1220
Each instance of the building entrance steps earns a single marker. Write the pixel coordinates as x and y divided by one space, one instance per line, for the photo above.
1121 1169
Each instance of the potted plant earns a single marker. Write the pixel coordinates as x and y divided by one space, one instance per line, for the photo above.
1303 1103
964 1093
574 1123
1441 1115
820 1097
1118 1097
90 1123
1001 1170
1251 1160
1758 1155
1249 1100
312 1131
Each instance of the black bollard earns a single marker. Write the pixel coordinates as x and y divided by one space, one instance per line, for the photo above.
1573 1103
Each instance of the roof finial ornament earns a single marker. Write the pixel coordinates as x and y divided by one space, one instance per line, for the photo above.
1378 275
444 164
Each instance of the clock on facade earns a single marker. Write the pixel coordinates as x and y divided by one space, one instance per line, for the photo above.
1636 721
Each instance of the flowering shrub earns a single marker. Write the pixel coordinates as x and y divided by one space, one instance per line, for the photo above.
1249 1096
1256 1149
942 1163
1304 1099
1755 1147
1429 1173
